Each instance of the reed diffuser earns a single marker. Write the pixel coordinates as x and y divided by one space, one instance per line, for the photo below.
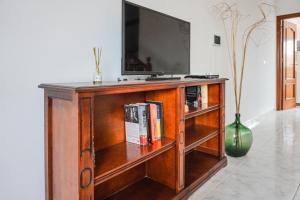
98 74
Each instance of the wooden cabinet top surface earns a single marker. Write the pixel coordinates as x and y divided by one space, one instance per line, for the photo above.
91 87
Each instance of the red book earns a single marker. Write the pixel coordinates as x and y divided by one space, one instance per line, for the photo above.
153 119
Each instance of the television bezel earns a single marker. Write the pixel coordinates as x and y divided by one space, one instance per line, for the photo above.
123 71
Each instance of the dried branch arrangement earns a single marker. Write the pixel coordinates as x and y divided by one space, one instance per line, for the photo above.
231 17
97 55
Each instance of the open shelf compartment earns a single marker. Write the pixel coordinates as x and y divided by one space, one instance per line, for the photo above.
200 129
152 179
200 166
213 104
114 156
205 108
118 158
145 189
197 134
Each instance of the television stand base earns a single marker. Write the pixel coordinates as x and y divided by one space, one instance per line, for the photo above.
162 78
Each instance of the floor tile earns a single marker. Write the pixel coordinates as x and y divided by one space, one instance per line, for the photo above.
271 169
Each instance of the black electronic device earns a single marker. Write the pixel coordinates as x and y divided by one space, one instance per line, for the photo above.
161 78
153 42
202 76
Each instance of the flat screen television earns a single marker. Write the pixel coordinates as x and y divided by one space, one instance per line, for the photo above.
154 43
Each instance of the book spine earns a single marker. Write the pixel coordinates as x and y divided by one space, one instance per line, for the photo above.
153 116
161 119
148 124
199 96
143 125
204 94
158 121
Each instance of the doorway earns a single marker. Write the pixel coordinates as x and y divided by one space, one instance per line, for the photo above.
287 59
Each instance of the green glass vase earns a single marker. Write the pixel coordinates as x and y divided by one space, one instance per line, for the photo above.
238 138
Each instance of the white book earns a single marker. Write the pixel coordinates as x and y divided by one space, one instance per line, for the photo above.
204 94
136 124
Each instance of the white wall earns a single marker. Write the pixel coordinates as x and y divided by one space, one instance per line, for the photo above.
287 6
259 87
51 41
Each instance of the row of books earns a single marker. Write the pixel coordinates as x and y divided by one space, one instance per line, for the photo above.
196 96
144 122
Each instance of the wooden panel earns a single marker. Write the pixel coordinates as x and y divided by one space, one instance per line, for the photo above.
210 119
86 135
289 65
213 94
113 87
290 91
189 122
64 144
162 168
109 118
86 179
180 127
198 165
199 168
60 94
118 183
279 63
290 50
210 147
48 147
222 122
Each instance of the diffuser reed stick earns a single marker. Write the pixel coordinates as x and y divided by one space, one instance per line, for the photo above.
97 56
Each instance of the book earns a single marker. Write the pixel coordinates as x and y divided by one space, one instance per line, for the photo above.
153 118
136 123
204 95
159 119
148 124
143 123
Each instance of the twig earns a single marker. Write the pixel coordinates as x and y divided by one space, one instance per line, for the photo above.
231 13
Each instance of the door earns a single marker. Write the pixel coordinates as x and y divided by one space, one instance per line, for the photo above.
289 66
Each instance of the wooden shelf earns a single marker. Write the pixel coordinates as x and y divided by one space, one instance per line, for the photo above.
193 112
200 166
118 158
197 134
145 189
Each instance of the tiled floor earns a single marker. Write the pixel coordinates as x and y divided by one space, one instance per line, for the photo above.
270 171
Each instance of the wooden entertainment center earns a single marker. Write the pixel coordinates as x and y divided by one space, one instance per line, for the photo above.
87 157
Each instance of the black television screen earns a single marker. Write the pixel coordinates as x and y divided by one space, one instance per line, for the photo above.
154 43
